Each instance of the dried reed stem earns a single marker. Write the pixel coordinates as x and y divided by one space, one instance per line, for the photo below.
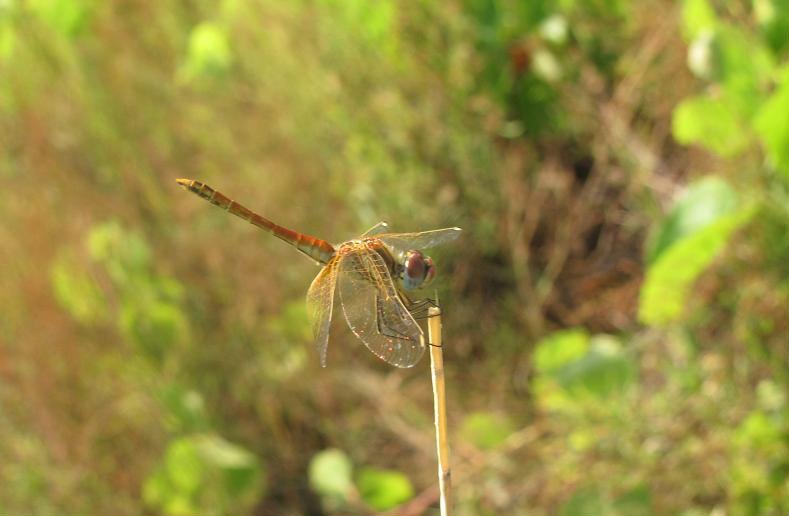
440 408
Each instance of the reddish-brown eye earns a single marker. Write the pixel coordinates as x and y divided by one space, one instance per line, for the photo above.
430 272
413 269
418 270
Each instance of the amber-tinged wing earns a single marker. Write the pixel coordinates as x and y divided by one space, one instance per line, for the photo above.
423 240
320 303
374 311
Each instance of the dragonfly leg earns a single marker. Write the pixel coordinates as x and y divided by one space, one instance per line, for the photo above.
420 309
384 329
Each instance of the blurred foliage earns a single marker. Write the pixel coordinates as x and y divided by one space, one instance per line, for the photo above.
616 312
203 474
485 430
384 489
331 476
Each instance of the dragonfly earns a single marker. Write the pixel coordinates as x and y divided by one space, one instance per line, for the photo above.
375 276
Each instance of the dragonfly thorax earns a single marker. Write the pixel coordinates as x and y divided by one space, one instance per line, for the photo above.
412 268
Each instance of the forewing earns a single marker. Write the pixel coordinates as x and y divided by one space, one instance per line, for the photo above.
320 303
423 240
374 311
381 227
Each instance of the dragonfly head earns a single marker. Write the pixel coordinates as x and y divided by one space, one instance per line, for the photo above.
418 270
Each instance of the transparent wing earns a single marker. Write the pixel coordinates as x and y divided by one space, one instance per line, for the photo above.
320 303
374 310
379 228
423 240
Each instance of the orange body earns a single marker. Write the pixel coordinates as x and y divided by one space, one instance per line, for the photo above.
317 249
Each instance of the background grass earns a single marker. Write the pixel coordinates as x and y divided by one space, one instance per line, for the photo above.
615 313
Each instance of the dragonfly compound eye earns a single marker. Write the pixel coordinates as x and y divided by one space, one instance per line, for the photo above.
415 269
430 272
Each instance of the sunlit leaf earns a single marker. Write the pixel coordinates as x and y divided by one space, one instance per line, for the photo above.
239 468
76 291
773 19
204 474
383 489
759 431
124 253
585 502
574 368
546 66
686 248
701 55
69 17
636 502
209 51
772 125
602 371
486 430
153 327
559 349
554 29
697 16
711 123
703 203
371 20
744 66
183 466
185 409
7 40
330 473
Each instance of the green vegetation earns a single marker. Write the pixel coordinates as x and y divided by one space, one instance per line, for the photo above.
616 313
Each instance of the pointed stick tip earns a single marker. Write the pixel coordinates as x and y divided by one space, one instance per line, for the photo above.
184 182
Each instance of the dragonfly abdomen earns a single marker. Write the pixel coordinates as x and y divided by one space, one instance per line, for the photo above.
317 249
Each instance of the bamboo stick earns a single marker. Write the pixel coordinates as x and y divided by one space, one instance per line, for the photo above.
440 409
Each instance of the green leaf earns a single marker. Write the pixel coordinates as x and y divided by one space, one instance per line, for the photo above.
209 52
697 17
702 59
68 17
554 29
486 430
584 502
124 254
185 409
183 466
759 431
383 489
574 368
744 67
703 203
773 19
154 328
711 123
373 21
76 291
156 488
772 125
676 266
330 473
204 474
603 371
636 502
7 40
559 349
239 468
